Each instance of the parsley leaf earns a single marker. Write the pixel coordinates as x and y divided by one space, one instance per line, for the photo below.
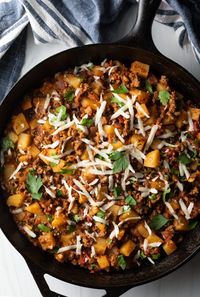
59 193
43 228
90 65
6 143
155 256
101 214
76 218
148 87
121 90
115 100
87 122
184 159
61 109
152 197
67 171
158 222
164 97
130 200
121 161
33 184
117 191
121 261
193 224
71 228
164 194
69 95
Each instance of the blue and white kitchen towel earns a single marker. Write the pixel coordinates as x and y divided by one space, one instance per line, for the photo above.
76 22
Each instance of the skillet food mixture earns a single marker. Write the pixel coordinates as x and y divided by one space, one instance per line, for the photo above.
101 166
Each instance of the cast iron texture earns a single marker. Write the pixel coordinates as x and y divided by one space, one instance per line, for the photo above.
138 47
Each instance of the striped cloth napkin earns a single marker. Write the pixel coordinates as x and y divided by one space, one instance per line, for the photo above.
79 22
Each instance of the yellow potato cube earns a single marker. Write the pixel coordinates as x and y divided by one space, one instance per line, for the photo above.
142 230
85 155
23 158
103 262
82 199
129 214
57 168
102 228
109 130
66 238
157 184
47 241
152 159
33 151
140 68
34 208
117 144
97 71
100 246
86 102
181 224
33 124
121 234
142 111
73 80
142 96
24 141
138 141
154 238
169 247
13 136
47 127
127 248
16 200
59 220
114 210
195 113
20 123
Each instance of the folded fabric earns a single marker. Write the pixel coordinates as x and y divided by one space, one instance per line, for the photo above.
76 23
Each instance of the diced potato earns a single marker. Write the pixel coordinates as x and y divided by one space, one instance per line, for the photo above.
114 210
85 155
138 141
154 238
142 230
101 192
109 130
24 141
47 241
142 96
103 262
174 204
66 238
93 210
13 136
89 177
20 123
117 144
59 166
169 247
127 248
195 113
33 151
102 228
59 220
33 124
97 71
129 214
8 170
82 199
86 102
16 200
23 158
152 159
100 246
73 80
121 234
47 127
181 119
34 208
140 68
142 111
157 184
181 224
26 104
97 87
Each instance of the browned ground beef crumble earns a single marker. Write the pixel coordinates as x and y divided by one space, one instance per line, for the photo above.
100 166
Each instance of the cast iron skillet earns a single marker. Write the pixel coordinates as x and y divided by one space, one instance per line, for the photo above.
139 46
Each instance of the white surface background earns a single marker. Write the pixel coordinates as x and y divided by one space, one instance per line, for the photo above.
15 277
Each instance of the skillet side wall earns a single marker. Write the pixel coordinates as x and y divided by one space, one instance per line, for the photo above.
181 80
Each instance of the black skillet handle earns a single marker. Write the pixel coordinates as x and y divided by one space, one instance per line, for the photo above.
38 275
140 35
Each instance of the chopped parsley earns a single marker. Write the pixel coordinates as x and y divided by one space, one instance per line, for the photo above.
121 90
148 86
115 100
165 193
59 193
164 97
152 197
158 222
43 228
193 224
76 218
63 111
6 143
120 163
142 255
121 261
67 171
34 184
184 159
101 214
69 95
87 122
130 200
155 256
71 228
117 191
49 217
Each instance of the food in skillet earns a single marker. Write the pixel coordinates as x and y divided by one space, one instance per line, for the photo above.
100 166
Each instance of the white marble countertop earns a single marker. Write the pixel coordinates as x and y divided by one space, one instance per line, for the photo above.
15 277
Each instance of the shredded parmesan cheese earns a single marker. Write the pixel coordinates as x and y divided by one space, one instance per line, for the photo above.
118 135
151 137
100 112
184 209
29 232
66 248
49 192
19 167
190 122
115 231
139 108
171 210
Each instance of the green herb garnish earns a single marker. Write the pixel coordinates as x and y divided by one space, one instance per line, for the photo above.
6 143
87 122
164 97
121 261
67 171
69 95
120 161
34 184
193 224
59 193
130 200
101 214
115 100
158 222
148 87
90 65
155 256
142 255
165 193
117 191
63 111
121 90
71 228
43 228
76 218
152 197
49 217
184 159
